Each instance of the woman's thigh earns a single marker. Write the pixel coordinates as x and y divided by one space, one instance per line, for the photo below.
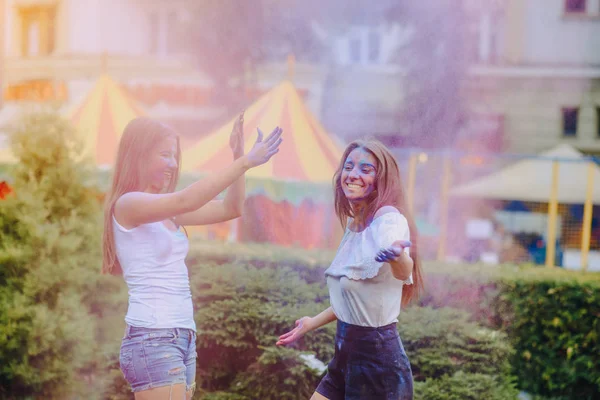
156 359
173 392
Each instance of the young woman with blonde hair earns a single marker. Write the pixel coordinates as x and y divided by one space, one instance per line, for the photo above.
375 271
144 242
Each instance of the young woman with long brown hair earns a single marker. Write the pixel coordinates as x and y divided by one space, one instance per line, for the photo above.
143 241
375 271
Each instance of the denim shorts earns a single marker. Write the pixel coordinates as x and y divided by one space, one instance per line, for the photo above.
153 358
368 363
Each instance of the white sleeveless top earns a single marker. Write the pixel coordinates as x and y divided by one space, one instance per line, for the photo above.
363 291
153 261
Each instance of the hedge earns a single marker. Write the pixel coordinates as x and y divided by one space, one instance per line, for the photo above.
551 315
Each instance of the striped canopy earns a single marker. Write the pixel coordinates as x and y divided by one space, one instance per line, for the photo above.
307 153
101 118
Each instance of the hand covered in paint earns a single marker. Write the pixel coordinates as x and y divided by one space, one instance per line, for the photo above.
393 252
236 139
302 327
263 150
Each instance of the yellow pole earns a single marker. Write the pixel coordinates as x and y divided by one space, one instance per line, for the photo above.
444 209
552 216
587 217
410 187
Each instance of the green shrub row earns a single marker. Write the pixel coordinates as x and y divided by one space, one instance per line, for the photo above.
551 315
242 308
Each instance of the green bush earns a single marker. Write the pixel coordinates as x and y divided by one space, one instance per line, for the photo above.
243 306
466 386
47 236
278 373
443 342
476 288
308 264
242 309
55 309
555 333
551 316
555 328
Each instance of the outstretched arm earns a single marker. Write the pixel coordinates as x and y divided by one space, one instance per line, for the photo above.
399 260
136 208
305 325
232 205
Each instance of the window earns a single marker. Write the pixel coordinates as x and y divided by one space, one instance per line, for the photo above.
172 39
569 116
575 6
355 51
373 48
38 30
154 27
363 45
33 39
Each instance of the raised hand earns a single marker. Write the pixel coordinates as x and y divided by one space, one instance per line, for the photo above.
236 139
262 151
302 327
393 252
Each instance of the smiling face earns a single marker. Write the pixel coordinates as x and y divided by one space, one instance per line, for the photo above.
359 175
162 165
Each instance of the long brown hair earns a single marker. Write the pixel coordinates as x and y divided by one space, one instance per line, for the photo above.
139 139
388 192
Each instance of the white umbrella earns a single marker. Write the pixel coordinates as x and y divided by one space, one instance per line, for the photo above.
531 179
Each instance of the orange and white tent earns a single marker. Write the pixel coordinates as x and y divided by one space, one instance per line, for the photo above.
290 198
101 118
308 153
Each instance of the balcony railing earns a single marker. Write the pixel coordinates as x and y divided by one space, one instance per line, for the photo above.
73 67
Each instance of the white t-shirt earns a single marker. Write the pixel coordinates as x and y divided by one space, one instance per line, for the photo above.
153 262
363 291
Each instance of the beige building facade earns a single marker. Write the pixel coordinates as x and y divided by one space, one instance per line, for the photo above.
55 49
537 66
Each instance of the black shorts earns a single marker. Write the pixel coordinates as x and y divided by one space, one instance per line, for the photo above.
369 363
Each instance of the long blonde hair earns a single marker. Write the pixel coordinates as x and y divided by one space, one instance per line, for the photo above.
388 192
139 139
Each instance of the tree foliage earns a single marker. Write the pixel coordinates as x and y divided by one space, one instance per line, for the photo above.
49 263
